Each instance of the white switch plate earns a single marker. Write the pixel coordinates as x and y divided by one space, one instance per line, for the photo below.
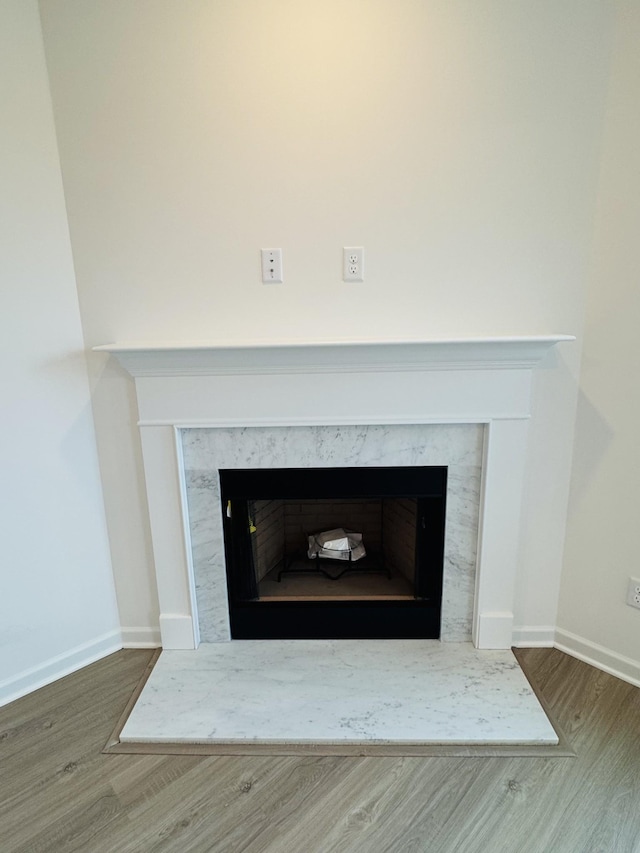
353 263
271 266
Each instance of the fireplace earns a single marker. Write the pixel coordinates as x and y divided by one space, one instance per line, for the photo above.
334 553
232 402
208 455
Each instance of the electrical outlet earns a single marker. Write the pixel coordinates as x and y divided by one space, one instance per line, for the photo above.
633 593
353 263
271 266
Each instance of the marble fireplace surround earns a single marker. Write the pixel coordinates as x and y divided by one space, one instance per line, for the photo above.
206 451
195 399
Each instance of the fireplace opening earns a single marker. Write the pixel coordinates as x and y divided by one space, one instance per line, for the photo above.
326 553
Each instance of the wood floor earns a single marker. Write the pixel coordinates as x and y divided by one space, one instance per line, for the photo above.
58 792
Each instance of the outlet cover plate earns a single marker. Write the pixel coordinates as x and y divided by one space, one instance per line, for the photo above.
633 593
271 266
353 263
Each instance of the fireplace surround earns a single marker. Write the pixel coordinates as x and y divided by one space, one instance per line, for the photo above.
242 389
206 451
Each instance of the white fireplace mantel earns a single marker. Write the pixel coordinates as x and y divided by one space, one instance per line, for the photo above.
185 359
256 384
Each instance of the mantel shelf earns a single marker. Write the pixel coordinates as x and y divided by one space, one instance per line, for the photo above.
217 358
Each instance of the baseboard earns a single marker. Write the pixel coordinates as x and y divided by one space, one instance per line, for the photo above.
176 630
622 667
493 630
141 638
59 666
534 637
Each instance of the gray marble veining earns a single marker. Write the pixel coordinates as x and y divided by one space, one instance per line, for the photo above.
338 691
459 446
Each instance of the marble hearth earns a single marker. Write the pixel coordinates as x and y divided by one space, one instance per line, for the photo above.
336 694
465 404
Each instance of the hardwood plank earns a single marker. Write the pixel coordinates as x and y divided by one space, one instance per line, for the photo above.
114 739
60 793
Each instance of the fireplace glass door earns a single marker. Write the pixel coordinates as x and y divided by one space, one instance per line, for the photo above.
323 553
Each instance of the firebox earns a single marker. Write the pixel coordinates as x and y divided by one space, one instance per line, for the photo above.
334 553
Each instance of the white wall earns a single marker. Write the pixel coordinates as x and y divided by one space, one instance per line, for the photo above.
603 536
457 141
57 603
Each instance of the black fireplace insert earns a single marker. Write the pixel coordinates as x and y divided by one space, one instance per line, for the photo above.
386 583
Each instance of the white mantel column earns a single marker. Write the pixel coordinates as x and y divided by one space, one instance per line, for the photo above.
503 471
162 453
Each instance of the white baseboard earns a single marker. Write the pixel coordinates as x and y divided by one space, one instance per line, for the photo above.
176 630
534 637
59 666
141 638
493 630
622 667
